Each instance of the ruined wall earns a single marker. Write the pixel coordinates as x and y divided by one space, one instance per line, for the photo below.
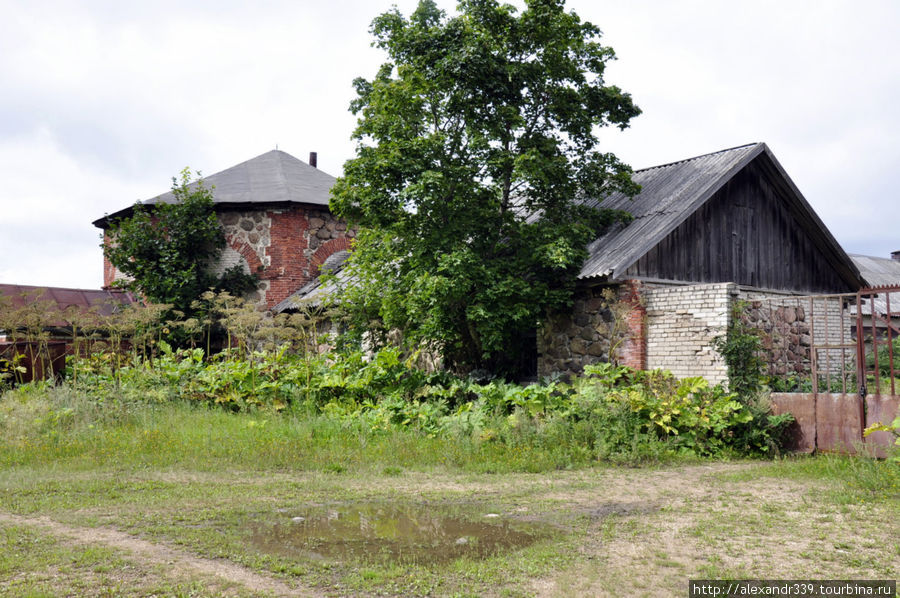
604 321
654 326
571 340
682 323
284 247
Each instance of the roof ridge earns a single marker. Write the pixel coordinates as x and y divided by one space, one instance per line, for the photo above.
722 151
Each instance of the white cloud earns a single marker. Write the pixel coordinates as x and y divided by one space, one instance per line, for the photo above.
104 101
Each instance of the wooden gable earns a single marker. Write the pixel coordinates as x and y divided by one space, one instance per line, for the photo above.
754 231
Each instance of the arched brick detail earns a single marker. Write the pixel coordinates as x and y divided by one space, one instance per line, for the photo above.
325 251
247 252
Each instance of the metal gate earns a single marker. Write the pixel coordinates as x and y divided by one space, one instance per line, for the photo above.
833 362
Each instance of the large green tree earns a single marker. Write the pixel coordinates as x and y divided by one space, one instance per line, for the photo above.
477 144
169 250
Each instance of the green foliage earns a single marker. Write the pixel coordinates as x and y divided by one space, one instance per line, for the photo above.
893 428
475 122
886 351
612 413
741 348
167 250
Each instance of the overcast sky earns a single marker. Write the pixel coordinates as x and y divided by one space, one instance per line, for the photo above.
102 102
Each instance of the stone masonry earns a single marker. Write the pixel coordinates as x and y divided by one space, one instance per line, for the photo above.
603 321
284 247
652 326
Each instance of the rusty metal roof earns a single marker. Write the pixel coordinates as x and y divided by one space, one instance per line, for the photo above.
273 177
105 301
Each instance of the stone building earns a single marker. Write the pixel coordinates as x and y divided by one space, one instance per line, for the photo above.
274 211
706 232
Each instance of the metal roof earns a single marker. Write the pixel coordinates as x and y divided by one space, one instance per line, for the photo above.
878 271
273 177
105 301
670 193
313 292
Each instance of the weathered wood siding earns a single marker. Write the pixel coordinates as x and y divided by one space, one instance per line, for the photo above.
746 233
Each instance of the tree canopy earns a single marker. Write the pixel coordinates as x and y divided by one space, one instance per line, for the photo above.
169 251
477 144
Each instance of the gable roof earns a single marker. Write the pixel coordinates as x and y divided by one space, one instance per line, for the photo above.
273 177
671 193
877 271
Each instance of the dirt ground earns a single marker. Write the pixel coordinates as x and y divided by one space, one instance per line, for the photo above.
626 531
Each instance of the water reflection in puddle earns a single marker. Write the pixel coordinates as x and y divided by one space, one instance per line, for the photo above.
379 532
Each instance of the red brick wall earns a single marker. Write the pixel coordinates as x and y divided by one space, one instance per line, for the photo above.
109 271
287 261
633 351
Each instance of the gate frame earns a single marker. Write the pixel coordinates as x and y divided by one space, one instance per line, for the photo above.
817 431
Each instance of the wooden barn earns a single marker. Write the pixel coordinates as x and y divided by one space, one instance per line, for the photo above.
706 232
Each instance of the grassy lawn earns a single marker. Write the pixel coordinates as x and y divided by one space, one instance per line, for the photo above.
170 500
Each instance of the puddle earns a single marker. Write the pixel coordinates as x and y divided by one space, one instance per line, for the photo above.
392 533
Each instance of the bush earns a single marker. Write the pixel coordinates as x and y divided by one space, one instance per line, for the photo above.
612 413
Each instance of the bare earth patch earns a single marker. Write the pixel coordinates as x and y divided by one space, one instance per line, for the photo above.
160 554
654 531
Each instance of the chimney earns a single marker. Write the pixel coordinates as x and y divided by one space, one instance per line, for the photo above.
313 159
895 255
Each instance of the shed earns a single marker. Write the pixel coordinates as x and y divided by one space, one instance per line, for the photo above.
706 231
47 358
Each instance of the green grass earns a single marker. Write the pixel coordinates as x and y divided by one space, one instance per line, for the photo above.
63 426
191 478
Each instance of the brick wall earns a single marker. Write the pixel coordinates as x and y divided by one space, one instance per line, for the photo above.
682 323
284 247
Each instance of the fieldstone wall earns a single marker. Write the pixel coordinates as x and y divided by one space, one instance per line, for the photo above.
648 326
784 331
603 321
682 323
790 326
284 247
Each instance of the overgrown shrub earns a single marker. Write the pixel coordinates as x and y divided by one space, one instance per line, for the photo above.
612 413
741 347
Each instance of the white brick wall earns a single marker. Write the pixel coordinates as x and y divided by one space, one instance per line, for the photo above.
682 322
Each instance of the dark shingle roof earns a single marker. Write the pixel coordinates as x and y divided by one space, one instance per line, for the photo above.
273 177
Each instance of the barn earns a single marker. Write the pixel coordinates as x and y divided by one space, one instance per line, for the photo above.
707 231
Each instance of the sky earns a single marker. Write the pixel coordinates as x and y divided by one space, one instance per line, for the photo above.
102 102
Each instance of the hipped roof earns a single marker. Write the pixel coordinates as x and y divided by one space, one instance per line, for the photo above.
671 193
274 177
